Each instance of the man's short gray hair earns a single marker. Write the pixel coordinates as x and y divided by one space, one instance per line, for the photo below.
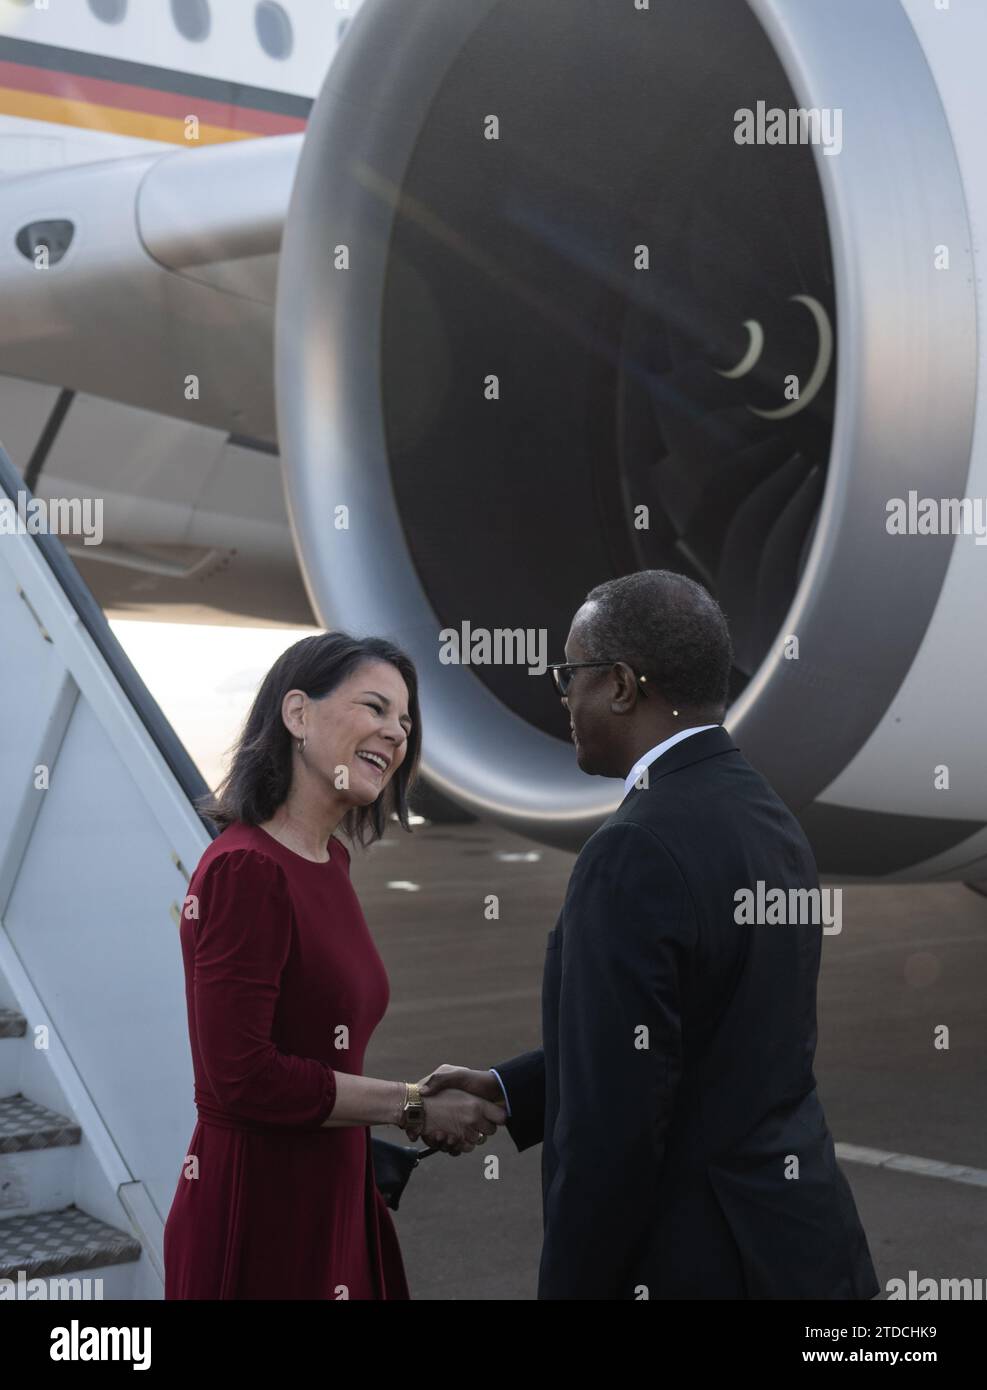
668 628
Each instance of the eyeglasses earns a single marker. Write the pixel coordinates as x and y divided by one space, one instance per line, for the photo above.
562 673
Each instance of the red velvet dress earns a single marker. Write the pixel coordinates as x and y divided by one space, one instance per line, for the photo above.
279 969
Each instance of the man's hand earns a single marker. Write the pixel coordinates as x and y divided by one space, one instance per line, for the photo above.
479 1083
456 1121
449 1080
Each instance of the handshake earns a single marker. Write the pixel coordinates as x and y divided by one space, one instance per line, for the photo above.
462 1107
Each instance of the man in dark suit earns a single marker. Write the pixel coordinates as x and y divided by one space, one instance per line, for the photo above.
685 1151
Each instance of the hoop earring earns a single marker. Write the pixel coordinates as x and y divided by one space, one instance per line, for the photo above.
301 746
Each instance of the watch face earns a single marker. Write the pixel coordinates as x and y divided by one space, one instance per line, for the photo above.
609 333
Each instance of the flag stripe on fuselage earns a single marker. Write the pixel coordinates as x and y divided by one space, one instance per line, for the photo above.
42 83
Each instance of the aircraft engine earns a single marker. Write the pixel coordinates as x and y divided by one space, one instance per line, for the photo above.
576 288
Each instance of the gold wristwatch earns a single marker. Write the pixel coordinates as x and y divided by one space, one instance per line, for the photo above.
413 1113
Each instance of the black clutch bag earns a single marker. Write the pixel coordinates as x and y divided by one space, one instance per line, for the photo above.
393 1166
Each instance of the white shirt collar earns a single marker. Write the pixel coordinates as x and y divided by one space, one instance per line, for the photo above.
657 751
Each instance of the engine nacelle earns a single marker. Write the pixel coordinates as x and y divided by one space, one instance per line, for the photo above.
564 293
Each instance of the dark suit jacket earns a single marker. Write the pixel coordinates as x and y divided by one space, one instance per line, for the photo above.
686 1154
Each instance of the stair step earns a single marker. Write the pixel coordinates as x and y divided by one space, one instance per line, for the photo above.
24 1124
60 1242
12 1024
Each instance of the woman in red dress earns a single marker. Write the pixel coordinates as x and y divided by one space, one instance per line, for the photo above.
284 987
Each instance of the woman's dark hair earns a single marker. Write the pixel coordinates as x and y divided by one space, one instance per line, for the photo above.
259 778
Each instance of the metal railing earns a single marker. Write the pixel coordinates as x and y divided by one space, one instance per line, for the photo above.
92 617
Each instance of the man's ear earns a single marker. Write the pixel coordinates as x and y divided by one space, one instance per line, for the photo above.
626 693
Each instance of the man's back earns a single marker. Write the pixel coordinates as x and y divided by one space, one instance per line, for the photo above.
709 1163
746 1116
749 991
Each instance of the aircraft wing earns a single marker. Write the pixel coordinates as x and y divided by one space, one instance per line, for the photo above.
150 280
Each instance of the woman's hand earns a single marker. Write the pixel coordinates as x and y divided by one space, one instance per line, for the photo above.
456 1121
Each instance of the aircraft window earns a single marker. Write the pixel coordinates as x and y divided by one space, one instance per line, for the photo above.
109 11
192 19
273 29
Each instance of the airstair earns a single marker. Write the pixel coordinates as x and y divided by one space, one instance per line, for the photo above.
98 836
